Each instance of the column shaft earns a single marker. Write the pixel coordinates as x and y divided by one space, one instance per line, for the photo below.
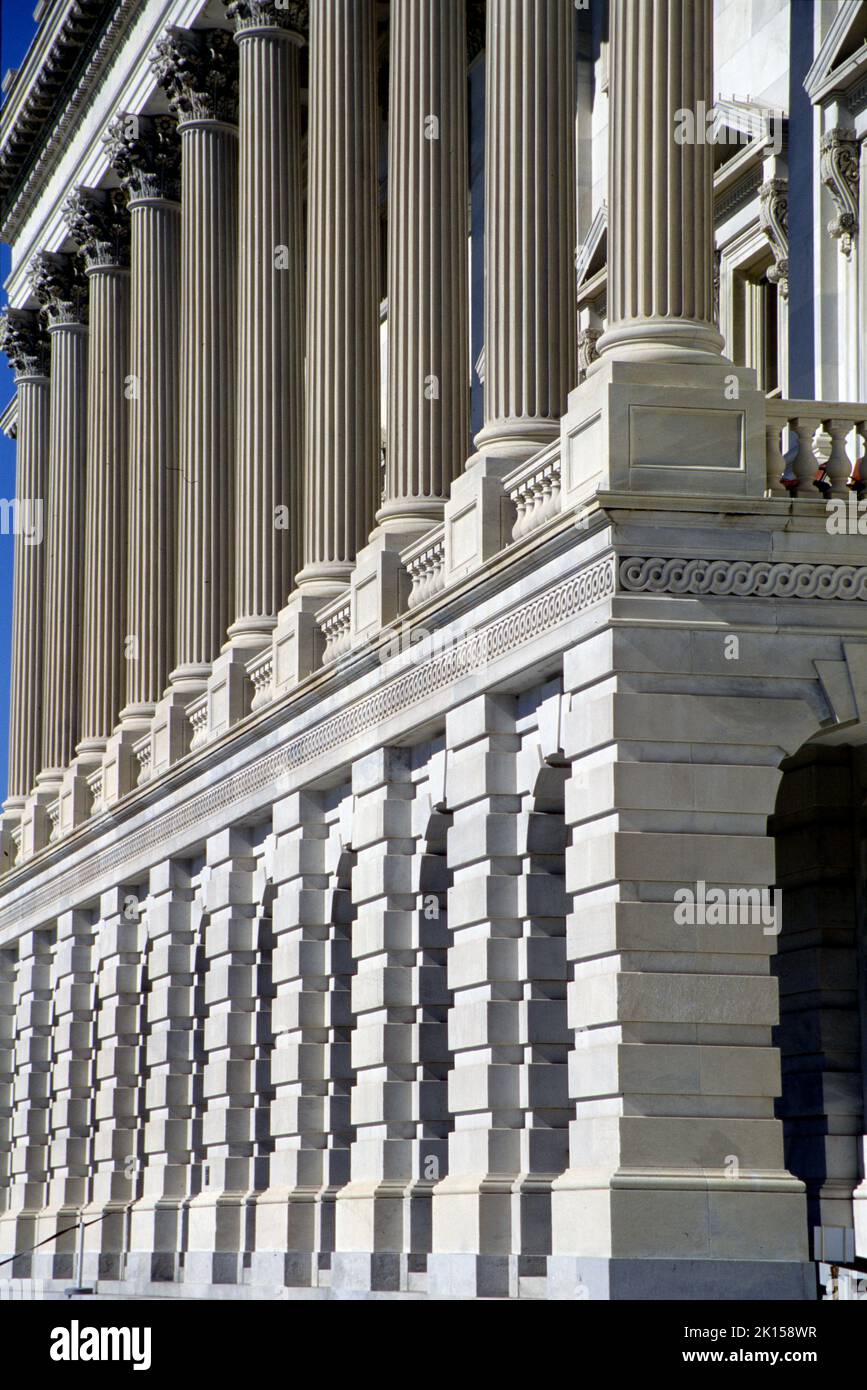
428 334
270 324
343 433
105 512
208 326
530 317
153 455
26 346
660 248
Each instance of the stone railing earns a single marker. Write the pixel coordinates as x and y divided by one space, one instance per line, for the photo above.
335 624
534 490
94 786
197 714
261 673
143 752
54 821
424 562
815 448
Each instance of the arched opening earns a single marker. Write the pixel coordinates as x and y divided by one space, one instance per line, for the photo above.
818 826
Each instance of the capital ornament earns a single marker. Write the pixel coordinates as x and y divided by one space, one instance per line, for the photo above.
198 70
25 343
774 222
841 176
99 222
60 285
145 153
291 15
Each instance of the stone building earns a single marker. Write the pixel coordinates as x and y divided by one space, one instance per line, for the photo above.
433 850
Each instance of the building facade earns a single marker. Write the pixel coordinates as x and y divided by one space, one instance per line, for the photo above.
433 850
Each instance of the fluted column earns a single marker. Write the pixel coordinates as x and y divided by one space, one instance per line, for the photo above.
145 153
60 285
98 222
428 335
23 340
198 70
270 314
530 324
341 456
660 215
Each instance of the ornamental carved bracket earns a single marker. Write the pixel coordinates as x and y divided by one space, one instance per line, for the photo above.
774 222
99 222
145 153
841 176
291 15
60 285
587 349
25 343
198 70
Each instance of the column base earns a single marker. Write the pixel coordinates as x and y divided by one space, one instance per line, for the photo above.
478 1276
171 734
298 642
230 690
654 1281
10 834
478 515
120 767
661 428
380 584
79 795
36 824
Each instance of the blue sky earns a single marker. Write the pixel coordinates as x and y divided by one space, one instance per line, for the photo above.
16 31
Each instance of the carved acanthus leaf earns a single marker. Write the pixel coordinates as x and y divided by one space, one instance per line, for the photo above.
99 222
60 285
145 153
198 70
24 341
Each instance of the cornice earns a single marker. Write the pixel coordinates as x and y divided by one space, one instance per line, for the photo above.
35 128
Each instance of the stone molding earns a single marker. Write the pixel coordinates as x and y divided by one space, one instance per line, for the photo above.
742 578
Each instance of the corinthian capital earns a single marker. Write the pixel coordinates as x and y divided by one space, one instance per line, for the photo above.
291 15
841 176
145 153
24 341
198 70
99 223
60 285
